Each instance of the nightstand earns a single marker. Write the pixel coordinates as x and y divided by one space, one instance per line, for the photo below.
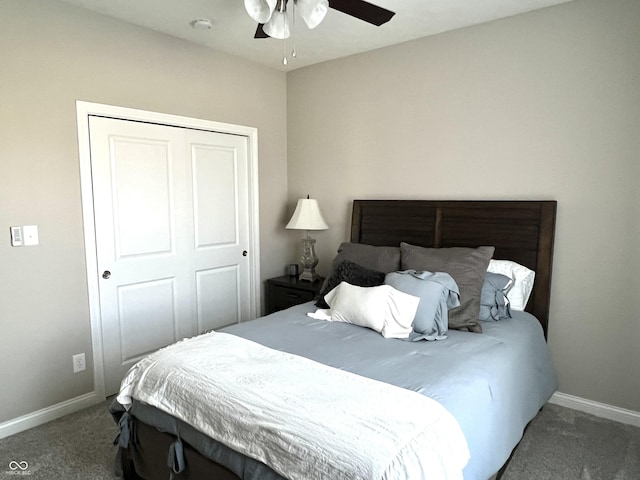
286 291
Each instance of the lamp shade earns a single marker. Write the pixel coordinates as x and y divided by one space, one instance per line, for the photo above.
307 216
278 26
312 11
260 10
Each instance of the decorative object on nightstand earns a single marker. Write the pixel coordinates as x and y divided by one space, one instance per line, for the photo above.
286 291
308 217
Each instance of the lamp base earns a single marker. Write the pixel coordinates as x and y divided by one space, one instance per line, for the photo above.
308 260
308 275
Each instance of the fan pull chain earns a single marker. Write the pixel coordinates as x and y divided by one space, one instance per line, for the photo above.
283 9
293 29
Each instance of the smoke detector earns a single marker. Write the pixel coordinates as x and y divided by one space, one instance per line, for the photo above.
201 24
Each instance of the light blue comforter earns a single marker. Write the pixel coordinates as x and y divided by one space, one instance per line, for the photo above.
494 383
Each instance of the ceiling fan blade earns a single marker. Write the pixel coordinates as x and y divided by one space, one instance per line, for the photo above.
260 33
363 10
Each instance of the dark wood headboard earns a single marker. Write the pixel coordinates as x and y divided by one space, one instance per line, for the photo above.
522 231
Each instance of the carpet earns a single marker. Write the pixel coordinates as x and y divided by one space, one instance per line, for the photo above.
74 447
565 444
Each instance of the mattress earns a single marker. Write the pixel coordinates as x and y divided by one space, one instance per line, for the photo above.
493 383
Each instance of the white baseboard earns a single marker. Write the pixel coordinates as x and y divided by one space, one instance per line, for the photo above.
45 415
598 409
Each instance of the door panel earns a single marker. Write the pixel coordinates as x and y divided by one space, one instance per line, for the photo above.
215 196
217 297
142 220
155 299
172 222
219 173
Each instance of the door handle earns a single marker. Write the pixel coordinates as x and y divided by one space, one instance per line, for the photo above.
244 253
106 274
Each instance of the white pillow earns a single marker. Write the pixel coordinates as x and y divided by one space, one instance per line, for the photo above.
383 308
522 278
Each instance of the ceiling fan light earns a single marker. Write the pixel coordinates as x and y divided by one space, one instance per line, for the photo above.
260 10
312 11
278 26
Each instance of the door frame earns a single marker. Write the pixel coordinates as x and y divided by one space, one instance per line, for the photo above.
84 110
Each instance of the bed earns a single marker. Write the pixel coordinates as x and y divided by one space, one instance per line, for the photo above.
492 383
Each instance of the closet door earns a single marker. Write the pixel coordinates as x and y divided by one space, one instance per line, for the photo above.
172 232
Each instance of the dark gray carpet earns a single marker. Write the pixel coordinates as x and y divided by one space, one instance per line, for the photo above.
75 447
560 444
566 444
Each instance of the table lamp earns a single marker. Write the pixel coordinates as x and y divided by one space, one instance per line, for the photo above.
308 217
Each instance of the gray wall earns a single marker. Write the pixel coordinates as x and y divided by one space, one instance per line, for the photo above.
52 55
544 105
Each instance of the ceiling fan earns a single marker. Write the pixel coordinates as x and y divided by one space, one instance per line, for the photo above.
271 15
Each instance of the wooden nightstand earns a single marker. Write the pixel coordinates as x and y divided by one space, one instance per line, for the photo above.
284 292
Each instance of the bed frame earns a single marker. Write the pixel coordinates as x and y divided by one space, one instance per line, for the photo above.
522 231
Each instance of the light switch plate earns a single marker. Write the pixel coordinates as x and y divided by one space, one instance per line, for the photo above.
30 234
16 236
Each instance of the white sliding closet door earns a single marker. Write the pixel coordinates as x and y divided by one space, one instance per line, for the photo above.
171 210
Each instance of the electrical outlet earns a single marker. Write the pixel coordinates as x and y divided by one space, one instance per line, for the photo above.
79 363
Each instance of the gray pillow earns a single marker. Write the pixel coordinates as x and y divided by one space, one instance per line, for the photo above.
493 298
437 293
467 266
380 259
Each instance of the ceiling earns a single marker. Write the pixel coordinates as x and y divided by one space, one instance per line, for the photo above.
339 35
